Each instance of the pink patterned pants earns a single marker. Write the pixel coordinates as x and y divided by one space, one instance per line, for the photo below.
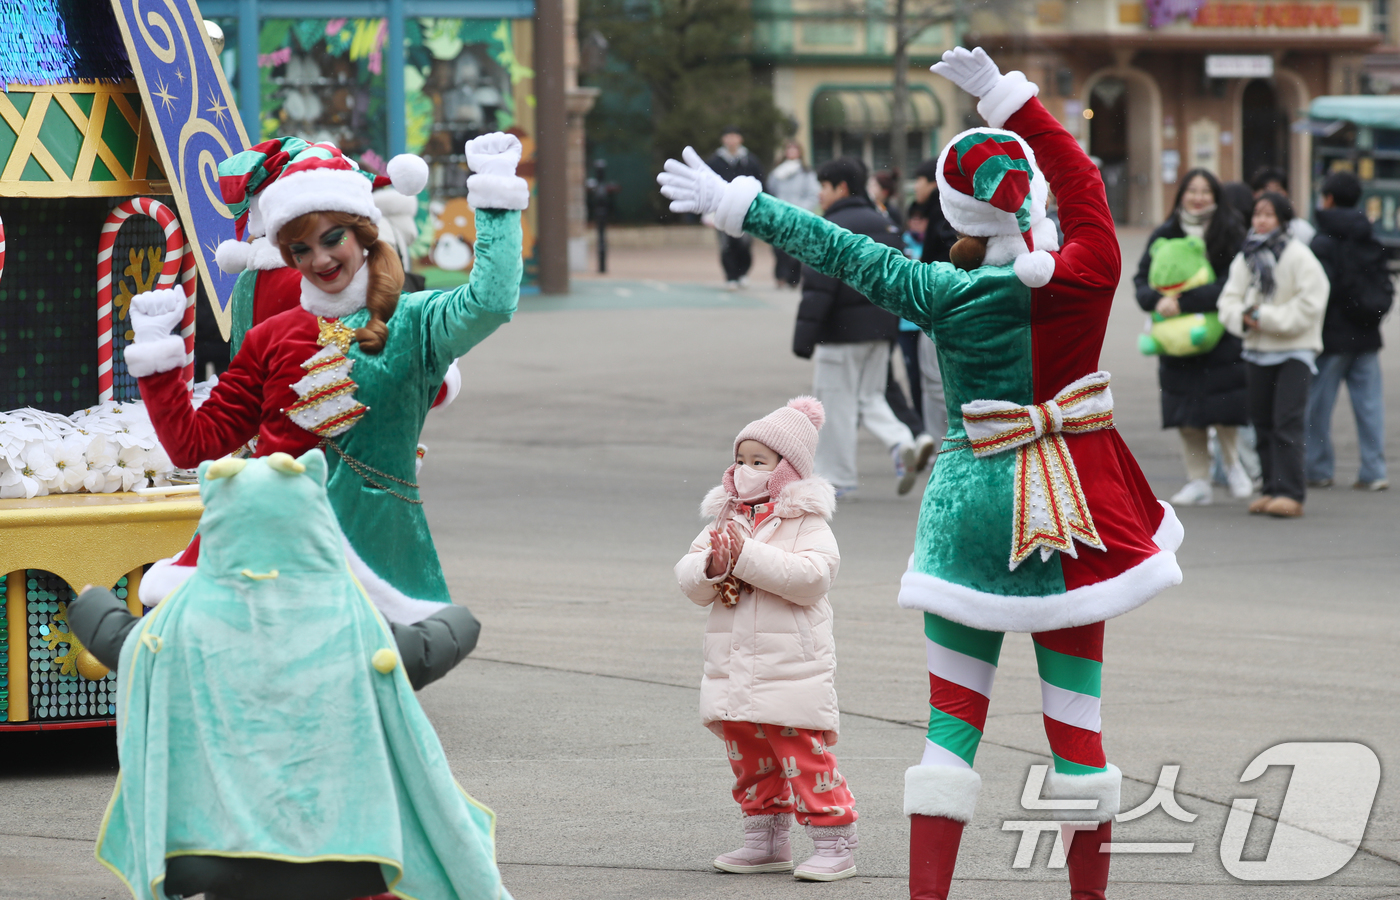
779 770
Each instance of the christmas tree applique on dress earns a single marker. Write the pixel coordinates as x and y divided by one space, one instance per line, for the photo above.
327 406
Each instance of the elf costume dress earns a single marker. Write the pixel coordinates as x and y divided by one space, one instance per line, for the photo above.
1037 518
271 746
300 381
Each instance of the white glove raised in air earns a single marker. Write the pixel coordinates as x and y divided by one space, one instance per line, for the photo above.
155 313
691 186
496 153
998 96
494 184
972 70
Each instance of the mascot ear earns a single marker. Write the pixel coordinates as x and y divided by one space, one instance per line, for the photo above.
315 462
1156 246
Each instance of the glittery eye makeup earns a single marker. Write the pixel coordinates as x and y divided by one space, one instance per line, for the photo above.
334 238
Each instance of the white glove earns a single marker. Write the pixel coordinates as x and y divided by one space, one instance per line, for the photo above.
971 70
692 186
155 313
496 153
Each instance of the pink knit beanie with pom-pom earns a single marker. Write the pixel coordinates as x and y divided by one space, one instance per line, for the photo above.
790 431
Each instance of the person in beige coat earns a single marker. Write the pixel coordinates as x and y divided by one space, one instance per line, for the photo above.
764 567
1275 298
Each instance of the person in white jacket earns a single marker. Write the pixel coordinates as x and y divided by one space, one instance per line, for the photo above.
1275 298
764 567
792 182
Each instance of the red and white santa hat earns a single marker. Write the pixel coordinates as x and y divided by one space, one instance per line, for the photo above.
322 179
990 186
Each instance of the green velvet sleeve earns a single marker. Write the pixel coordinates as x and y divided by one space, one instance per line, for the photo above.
906 287
457 320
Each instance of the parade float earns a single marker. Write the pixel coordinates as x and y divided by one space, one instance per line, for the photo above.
111 125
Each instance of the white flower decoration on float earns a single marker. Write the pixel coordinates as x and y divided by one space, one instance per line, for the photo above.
10 487
131 462
72 466
158 467
36 470
102 449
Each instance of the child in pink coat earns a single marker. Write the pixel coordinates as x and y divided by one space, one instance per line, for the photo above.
764 567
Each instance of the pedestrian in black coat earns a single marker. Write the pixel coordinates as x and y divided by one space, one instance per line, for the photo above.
730 161
849 338
1205 391
1362 293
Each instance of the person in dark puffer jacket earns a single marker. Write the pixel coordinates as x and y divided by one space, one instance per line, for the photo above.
848 338
1362 293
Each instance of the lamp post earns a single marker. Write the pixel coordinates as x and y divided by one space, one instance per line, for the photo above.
600 200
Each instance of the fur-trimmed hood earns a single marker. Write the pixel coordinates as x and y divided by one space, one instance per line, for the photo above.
813 495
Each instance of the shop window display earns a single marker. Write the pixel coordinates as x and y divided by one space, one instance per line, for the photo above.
324 80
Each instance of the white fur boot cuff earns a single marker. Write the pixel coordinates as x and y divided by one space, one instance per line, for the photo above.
941 791
1106 787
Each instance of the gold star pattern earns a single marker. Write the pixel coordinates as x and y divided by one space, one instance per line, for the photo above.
217 108
180 74
333 332
166 98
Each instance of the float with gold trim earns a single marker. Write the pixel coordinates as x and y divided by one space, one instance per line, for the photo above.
108 142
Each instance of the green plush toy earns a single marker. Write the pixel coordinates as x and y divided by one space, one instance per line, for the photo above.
1178 265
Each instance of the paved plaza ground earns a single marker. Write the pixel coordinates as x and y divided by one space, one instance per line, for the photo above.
563 485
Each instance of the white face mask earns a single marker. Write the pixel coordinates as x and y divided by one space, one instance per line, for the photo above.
751 483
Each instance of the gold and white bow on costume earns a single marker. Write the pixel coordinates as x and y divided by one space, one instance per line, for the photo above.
1050 511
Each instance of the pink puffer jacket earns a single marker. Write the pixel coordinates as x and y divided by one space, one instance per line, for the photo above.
772 659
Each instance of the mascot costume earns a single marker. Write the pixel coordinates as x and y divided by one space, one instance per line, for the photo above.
1037 518
271 746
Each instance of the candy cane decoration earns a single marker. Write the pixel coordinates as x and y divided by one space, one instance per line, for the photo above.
179 264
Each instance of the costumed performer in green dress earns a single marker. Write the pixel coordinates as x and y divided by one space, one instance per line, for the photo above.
356 367
271 745
1037 518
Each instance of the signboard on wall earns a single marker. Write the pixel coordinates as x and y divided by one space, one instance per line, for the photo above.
1237 66
195 123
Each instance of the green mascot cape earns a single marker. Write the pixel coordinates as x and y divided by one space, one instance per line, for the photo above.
263 712
1178 265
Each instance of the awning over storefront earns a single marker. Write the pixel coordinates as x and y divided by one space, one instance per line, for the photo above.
1369 112
869 110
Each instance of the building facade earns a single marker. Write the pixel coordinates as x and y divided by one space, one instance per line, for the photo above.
830 63
1153 90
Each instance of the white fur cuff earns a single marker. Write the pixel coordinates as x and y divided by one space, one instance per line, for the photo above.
1106 787
1035 269
154 357
497 192
774 822
734 205
1009 94
941 791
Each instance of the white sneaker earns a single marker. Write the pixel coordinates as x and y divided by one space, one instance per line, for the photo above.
1241 485
1195 493
906 469
924 447
731 285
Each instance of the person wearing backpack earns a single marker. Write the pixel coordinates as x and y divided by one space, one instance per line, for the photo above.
1362 294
